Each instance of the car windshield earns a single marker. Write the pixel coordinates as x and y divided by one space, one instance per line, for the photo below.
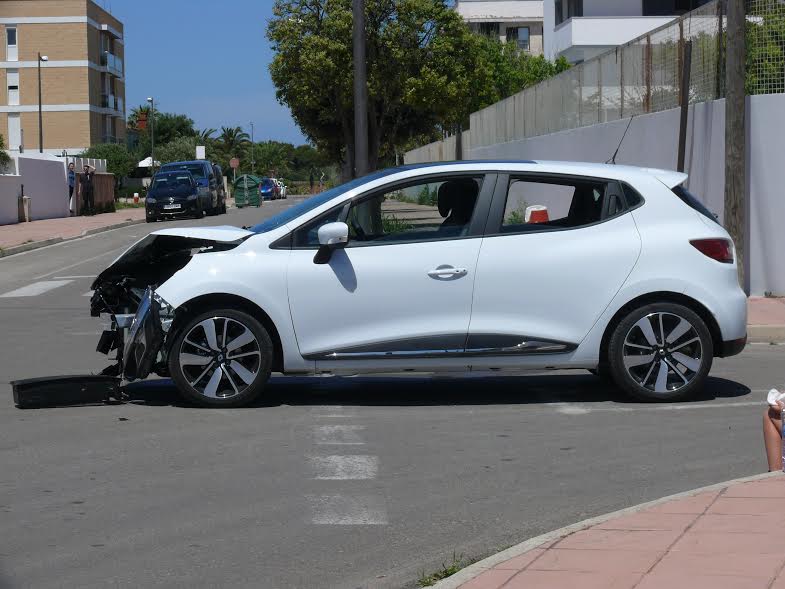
267 183
307 205
197 170
171 184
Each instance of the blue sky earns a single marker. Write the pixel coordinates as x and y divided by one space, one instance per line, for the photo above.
204 58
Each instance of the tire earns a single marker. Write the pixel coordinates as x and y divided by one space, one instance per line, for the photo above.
223 208
650 366
240 381
151 219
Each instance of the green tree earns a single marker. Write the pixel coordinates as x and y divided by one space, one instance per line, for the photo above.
765 32
426 71
180 149
206 135
119 161
5 159
232 140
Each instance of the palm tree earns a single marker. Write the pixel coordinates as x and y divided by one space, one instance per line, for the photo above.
232 139
141 111
205 134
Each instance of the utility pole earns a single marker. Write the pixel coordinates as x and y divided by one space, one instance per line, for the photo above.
253 152
152 136
735 148
41 58
360 91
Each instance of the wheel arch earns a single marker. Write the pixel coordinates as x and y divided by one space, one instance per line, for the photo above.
215 300
663 297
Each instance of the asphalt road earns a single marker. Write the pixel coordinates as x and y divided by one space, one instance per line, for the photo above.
334 482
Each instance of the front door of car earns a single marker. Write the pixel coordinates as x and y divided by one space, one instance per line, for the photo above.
402 287
556 252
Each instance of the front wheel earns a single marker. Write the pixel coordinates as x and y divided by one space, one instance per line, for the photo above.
661 352
221 358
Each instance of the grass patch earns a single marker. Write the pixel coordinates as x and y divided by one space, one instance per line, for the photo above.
447 570
129 205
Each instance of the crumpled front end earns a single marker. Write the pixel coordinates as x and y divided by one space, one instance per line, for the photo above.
126 291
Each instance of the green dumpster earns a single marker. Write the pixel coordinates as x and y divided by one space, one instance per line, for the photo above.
246 191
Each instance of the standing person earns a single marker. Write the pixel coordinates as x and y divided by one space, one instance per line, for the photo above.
310 180
86 184
71 184
772 430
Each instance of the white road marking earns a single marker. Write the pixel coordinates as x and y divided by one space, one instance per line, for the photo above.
79 263
568 409
72 277
35 289
340 510
344 468
89 293
347 435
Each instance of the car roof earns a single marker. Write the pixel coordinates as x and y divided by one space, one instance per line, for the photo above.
202 162
670 178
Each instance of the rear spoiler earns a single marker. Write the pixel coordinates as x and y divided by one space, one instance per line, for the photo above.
670 178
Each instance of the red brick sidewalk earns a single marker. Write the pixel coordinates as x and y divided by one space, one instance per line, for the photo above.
66 228
732 537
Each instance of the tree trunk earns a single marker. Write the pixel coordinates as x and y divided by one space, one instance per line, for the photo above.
735 148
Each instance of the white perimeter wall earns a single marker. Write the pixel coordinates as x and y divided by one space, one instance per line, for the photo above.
10 187
652 141
45 183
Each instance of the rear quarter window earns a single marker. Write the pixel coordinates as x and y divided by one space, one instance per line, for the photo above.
690 200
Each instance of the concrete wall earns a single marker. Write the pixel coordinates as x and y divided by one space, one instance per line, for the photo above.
10 188
652 141
45 183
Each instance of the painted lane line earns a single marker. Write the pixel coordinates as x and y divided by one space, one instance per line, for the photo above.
85 261
71 277
89 293
339 434
35 289
568 409
341 510
344 468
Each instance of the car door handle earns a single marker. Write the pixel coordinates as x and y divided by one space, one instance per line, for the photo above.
447 271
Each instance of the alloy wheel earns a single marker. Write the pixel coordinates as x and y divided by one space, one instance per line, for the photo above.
220 357
663 352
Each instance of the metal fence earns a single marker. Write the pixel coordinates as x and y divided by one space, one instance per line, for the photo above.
642 76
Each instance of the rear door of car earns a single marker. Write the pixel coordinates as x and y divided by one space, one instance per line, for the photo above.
541 286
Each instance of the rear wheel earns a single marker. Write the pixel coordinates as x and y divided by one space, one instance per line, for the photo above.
661 352
221 358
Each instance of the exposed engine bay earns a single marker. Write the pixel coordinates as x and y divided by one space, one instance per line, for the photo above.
140 319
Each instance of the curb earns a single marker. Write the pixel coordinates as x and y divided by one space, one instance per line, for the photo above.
766 334
33 245
473 570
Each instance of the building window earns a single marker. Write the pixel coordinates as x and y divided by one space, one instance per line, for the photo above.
670 7
13 87
490 29
519 36
11 49
566 9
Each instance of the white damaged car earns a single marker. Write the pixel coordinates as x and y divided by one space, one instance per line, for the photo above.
465 266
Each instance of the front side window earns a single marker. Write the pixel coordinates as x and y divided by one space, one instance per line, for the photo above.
427 211
535 204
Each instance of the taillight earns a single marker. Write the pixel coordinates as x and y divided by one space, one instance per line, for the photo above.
717 249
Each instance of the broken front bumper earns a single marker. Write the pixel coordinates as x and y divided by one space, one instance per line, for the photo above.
139 349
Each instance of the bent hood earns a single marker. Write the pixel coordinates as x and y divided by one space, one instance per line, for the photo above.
152 260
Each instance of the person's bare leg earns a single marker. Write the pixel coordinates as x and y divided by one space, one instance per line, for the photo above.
772 438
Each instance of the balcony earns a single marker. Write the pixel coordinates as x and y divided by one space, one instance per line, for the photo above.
499 10
112 102
112 63
581 38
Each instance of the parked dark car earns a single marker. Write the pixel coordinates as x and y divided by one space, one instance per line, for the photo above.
174 193
268 189
210 184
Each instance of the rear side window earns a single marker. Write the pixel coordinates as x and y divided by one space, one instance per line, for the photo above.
690 200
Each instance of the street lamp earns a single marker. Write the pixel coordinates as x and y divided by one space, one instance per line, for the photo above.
253 152
40 108
152 135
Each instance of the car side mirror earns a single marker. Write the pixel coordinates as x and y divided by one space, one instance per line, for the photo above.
332 236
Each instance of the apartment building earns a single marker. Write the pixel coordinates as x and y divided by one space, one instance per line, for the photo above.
82 79
512 21
582 29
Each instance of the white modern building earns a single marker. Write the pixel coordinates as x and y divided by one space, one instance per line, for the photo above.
516 21
582 29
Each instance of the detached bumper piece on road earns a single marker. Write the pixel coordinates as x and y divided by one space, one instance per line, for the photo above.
60 391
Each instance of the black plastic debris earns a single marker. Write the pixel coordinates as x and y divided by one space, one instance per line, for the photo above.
60 391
